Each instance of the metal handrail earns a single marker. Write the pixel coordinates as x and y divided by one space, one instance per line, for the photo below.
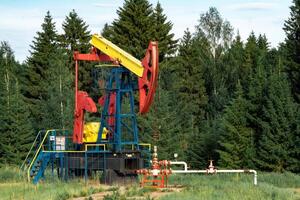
38 151
33 144
95 145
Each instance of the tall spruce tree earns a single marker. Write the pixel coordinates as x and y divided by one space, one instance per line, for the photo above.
292 48
133 29
277 149
189 89
76 37
233 64
137 24
237 138
189 69
57 109
44 44
15 128
162 34
161 127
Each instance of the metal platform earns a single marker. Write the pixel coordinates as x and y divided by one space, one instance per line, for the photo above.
56 151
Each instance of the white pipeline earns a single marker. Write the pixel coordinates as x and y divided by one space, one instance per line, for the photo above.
217 171
179 163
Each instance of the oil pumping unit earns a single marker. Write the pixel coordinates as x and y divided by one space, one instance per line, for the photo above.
111 144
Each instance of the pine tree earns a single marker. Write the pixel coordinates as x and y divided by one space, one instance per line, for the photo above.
233 63
44 44
189 68
57 109
76 34
162 34
76 37
250 60
161 127
16 130
203 144
133 29
189 88
280 130
237 137
292 47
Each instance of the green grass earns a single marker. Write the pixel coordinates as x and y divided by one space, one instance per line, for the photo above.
273 186
236 186
13 185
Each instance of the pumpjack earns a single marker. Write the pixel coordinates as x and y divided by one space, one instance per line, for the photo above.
111 144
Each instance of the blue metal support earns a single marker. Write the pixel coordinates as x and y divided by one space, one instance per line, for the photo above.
122 83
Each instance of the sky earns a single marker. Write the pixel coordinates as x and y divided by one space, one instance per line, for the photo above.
21 19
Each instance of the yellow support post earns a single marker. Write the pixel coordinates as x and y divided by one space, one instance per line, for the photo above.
113 51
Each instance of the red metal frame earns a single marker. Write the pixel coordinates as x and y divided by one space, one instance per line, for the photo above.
84 103
147 86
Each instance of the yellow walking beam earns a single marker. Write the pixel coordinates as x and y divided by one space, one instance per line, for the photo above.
113 51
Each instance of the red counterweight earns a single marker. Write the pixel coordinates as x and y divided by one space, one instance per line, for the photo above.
148 82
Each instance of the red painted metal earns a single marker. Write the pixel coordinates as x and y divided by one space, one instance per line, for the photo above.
83 103
148 82
94 55
111 107
157 176
147 86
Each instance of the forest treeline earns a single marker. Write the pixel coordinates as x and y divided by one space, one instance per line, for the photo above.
236 102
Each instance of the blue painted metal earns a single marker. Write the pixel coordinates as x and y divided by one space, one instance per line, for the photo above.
39 166
122 83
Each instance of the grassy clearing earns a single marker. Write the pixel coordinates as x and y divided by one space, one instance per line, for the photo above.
13 185
236 186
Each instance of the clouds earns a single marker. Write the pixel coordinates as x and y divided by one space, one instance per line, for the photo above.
253 6
20 20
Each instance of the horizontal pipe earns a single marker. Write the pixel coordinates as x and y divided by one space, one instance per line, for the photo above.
179 163
218 171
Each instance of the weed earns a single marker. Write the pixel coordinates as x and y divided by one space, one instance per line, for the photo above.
115 196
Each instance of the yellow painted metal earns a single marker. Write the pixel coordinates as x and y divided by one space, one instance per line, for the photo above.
95 145
57 151
113 51
146 144
142 144
64 151
90 132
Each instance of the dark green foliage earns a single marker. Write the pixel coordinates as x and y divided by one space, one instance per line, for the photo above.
163 33
44 44
133 29
218 33
277 148
161 127
189 89
76 34
189 84
236 141
218 98
16 130
137 24
292 48
57 109
76 37
202 144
